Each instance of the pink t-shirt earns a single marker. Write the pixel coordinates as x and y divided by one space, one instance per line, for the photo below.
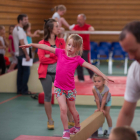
65 70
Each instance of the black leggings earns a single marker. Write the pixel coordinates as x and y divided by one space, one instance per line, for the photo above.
2 63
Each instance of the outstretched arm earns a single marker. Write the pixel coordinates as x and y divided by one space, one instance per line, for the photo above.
96 70
39 46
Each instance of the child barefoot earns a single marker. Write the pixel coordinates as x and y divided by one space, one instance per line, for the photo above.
123 133
65 91
102 99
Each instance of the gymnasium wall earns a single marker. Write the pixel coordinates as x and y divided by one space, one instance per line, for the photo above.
37 11
103 15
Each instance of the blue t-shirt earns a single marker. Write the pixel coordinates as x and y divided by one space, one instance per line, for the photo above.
29 39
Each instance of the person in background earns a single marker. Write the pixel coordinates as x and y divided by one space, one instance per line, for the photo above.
60 11
123 133
12 49
3 45
27 29
20 38
83 26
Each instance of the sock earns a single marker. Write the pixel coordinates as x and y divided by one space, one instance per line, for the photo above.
109 130
77 127
67 130
100 129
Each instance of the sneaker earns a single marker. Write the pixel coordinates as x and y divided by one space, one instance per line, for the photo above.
73 130
71 27
50 124
71 123
100 132
66 135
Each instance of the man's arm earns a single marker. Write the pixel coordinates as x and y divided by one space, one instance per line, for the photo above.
126 114
91 28
24 50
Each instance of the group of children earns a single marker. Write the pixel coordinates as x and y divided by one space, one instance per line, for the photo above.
65 91
10 46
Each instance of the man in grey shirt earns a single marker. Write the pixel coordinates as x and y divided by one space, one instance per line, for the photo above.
19 37
130 42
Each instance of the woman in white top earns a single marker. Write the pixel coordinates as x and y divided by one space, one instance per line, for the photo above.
60 11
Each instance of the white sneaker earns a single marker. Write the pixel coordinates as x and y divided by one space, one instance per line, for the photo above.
71 27
100 132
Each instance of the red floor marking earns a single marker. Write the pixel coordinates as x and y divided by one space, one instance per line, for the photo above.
26 137
116 89
9 99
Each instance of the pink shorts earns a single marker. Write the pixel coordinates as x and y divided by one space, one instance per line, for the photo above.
70 94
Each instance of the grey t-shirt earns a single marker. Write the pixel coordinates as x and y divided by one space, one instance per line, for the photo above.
52 67
19 34
101 95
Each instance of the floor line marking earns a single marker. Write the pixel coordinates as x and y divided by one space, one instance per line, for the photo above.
9 99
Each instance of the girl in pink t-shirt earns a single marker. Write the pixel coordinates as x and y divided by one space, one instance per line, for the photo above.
65 91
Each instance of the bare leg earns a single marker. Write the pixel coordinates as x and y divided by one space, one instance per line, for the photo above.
63 110
107 115
62 21
12 66
74 112
48 109
70 118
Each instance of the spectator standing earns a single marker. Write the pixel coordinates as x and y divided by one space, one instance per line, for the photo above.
3 45
12 49
20 38
82 26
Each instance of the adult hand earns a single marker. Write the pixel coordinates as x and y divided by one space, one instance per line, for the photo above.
27 58
107 79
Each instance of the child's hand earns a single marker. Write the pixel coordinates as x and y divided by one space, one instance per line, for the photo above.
97 110
25 46
102 111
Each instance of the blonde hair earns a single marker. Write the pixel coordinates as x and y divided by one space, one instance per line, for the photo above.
77 43
1 27
124 133
96 75
60 7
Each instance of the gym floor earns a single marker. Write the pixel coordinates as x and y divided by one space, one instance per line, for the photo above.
22 115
